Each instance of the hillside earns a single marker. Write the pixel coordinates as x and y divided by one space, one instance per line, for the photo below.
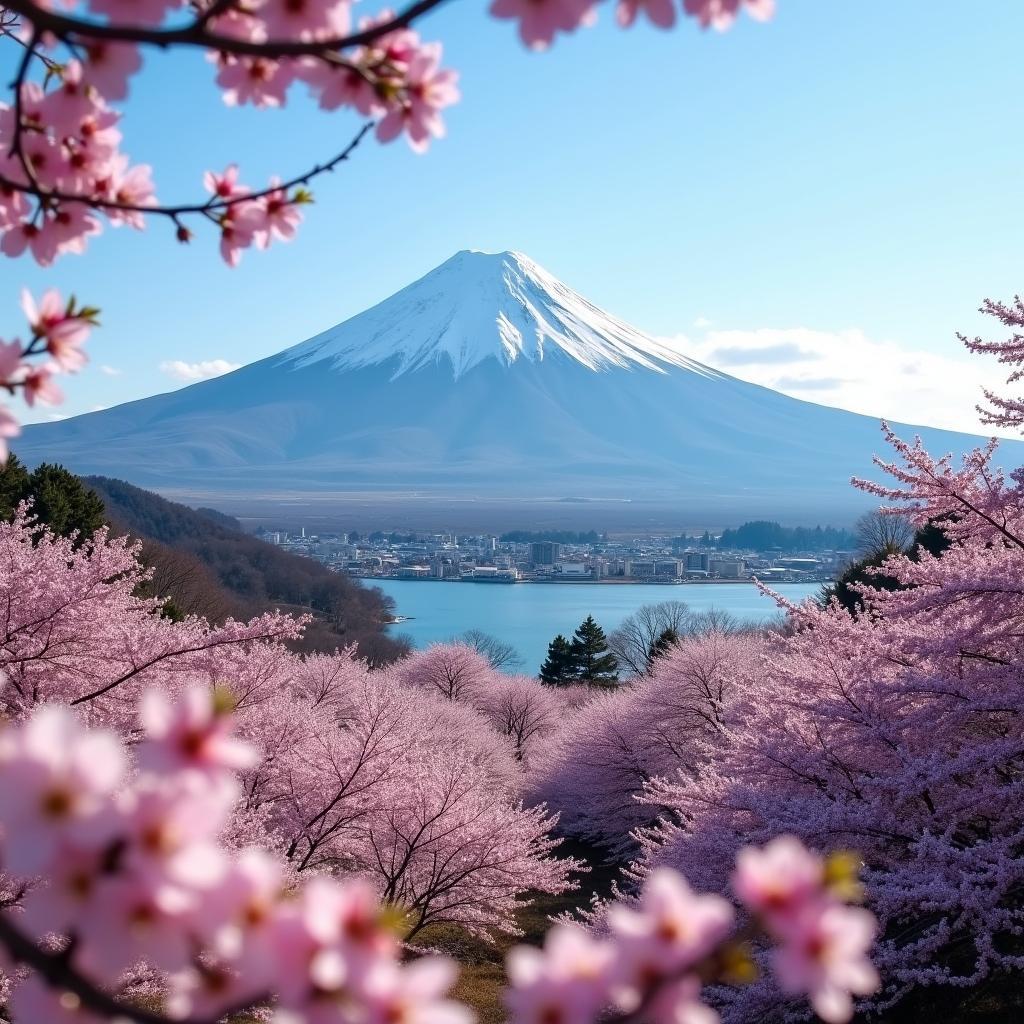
211 567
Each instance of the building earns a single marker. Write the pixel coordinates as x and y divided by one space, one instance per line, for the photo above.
696 561
642 570
545 552
668 567
573 570
727 568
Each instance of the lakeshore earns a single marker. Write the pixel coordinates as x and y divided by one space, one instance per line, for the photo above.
529 617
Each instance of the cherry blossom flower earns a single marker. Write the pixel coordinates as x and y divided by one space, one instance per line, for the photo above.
660 12
256 80
10 359
823 954
39 386
8 428
568 982
720 14
280 217
65 332
777 880
58 777
192 731
540 20
109 66
431 89
671 928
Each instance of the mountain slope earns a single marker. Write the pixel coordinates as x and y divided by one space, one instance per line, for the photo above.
487 378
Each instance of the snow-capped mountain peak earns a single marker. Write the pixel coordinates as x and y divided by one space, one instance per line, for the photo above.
479 305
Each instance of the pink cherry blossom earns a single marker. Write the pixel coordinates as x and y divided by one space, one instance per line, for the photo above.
414 993
8 428
10 359
540 20
57 778
280 217
305 19
256 80
823 954
39 386
225 185
720 14
777 880
109 66
431 89
65 332
671 928
660 12
190 732
568 982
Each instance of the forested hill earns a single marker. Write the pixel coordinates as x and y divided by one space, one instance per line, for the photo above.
211 567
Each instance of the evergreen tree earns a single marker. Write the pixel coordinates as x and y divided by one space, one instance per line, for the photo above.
591 659
63 503
667 639
60 501
558 668
13 486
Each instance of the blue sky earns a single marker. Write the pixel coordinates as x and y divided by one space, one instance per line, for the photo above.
845 181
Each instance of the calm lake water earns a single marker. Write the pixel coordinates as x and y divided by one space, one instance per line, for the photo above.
528 615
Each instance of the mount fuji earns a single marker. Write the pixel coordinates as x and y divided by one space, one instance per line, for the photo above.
488 380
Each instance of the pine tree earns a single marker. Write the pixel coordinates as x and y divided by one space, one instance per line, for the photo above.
667 639
558 668
592 662
63 503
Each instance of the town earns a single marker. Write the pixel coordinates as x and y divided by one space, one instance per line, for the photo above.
523 557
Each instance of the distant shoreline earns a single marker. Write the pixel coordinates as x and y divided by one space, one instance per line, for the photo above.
587 582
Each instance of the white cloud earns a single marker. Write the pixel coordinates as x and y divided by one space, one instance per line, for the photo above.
702 322
180 370
111 371
849 370
99 408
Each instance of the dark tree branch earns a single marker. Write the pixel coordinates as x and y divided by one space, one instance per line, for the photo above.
198 34
210 207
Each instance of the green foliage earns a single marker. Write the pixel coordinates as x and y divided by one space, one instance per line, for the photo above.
60 500
592 661
219 566
930 538
558 668
762 535
13 486
667 639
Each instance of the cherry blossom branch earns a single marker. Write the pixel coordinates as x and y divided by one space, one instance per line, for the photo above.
197 34
213 205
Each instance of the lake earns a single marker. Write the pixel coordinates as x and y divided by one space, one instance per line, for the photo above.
528 615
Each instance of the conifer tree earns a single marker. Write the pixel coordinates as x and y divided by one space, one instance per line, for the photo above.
558 668
667 639
592 661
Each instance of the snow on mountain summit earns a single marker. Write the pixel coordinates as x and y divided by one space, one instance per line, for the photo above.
480 305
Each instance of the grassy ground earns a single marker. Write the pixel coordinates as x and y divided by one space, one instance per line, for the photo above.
482 975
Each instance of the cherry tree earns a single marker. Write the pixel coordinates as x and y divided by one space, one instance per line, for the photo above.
456 671
596 769
525 711
896 732
73 631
